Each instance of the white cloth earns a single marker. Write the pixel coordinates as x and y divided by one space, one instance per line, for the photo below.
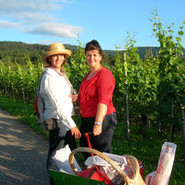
55 91
61 159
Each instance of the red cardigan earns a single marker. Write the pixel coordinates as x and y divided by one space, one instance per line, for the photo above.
98 89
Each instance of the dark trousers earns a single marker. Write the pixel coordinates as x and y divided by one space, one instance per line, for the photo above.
103 142
57 142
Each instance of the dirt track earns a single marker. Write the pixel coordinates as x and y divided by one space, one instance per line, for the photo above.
22 153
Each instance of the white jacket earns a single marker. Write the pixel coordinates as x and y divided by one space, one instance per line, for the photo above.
55 91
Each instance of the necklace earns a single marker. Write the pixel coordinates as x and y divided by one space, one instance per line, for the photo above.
92 73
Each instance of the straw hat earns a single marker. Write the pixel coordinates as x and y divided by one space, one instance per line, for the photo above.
57 48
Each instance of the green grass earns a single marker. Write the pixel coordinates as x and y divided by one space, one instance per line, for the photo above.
23 111
146 150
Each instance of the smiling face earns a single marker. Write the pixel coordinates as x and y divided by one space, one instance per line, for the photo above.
57 61
93 58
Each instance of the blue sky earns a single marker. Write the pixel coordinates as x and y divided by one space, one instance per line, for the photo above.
67 21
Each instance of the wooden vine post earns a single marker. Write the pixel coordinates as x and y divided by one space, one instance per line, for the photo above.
126 99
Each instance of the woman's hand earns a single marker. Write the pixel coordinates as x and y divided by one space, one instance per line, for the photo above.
97 130
75 132
74 98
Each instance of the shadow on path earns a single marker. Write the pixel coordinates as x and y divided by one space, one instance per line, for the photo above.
23 153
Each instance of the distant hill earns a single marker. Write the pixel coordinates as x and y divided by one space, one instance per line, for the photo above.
8 47
141 50
20 46
18 51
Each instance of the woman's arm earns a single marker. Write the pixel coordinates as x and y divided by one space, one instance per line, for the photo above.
101 112
106 83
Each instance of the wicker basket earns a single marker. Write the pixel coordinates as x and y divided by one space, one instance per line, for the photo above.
132 161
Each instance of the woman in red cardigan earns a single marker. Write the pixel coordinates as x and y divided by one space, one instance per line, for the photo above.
95 101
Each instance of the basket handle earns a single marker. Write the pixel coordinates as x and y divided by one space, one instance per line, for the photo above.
125 178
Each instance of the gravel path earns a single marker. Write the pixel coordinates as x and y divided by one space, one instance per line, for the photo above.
22 153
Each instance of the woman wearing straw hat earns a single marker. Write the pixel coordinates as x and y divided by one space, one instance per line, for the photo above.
56 92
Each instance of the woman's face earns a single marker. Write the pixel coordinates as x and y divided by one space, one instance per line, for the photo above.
57 60
93 58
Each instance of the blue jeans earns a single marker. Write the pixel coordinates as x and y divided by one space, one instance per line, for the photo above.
103 142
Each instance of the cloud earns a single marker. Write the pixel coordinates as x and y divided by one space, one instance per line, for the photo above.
56 29
9 25
36 5
36 17
32 18
37 10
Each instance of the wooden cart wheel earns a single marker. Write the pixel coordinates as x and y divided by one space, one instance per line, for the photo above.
132 161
